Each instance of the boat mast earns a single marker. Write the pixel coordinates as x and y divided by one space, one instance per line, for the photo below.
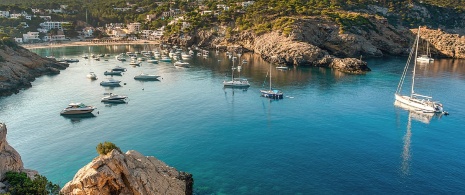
232 71
415 63
270 76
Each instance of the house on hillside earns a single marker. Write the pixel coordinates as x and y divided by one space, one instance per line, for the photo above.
4 14
31 37
134 27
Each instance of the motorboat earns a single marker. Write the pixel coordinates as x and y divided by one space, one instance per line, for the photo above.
85 57
165 59
92 76
134 63
110 83
181 64
424 58
119 68
422 103
71 60
282 67
113 98
120 58
153 61
143 76
113 72
185 56
77 108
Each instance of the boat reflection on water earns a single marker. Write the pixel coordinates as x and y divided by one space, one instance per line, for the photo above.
75 118
415 114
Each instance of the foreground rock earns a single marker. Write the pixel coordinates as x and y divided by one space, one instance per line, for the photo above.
10 160
130 173
19 67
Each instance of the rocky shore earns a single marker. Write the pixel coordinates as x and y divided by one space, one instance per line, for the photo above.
114 173
19 67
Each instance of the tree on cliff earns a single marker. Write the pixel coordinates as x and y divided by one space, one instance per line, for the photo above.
106 147
20 183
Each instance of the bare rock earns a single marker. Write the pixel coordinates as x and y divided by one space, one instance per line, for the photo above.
10 160
441 44
19 67
130 173
349 65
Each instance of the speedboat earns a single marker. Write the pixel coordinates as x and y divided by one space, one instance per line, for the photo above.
110 82
236 82
113 98
181 64
143 76
153 61
92 76
134 63
112 72
118 68
77 108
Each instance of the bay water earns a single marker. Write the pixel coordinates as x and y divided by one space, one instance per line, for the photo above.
333 133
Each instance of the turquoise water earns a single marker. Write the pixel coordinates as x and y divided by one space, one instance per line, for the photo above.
333 133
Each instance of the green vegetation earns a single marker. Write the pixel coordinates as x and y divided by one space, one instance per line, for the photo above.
20 184
106 147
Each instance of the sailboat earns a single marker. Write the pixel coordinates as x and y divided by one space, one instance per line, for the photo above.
419 102
236 82
427 56
271 93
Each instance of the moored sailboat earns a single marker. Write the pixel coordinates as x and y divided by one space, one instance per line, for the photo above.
271 93
420 102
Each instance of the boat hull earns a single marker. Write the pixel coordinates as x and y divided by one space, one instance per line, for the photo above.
76 111
271 94
420 104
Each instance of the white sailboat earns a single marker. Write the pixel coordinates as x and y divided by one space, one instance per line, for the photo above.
420 102
271 93
427 56
236 82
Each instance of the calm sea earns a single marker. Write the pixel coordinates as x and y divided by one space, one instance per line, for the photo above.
333 133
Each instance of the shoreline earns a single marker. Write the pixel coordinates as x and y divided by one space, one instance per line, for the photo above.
85 43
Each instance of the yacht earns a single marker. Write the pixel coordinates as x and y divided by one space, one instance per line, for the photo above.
113 72
110 82
113 98
271 93
424 58
143 76
92 76
77 108
236 82
181 64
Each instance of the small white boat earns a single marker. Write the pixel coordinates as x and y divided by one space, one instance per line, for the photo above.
77 108
185 56
71 60
113 98
110 82
424 58
181 64
282 67
92 76
85 57
143 76
271 93
113 72
153 61
140 59
165 59
236 82
134 63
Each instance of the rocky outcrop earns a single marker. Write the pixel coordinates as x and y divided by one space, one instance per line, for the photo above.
10 160
130 173
19 67
441 44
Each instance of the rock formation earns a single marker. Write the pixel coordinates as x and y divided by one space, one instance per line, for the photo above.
441 44
19 67
130 173
10 160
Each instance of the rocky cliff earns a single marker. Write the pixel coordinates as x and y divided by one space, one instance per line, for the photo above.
19 67
130 173
441 44
10 160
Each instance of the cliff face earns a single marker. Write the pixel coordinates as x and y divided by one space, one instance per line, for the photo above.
441 43
130 173
10 160
19 67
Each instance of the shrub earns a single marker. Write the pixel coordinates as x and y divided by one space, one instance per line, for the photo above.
21 184
106 147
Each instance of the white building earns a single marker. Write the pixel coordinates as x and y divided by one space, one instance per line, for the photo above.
5 14
53 25
24 24
247 3
46 18
134 27
19 40
122 9
31 37
15 16
88 32
55 38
